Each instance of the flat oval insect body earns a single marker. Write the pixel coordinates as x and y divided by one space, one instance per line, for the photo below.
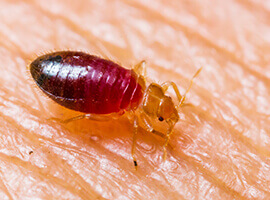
87 83
99 87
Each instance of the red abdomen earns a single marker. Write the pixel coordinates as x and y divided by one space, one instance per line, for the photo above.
87 83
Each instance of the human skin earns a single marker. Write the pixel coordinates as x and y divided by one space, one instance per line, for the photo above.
220 146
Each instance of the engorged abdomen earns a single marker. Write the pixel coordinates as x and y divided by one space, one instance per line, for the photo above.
86 83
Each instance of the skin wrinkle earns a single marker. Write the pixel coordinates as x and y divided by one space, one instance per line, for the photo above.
73 26
207 174
216 182
6 189
202 173
263 14
191 32
244 139
60 180
222 113
43 174
198 174
33 139
30 137
91 39
238 135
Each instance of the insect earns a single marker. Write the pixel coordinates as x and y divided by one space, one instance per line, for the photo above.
103 90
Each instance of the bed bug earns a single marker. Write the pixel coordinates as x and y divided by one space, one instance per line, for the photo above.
103 90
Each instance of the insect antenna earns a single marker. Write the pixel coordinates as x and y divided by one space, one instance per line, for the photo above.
190 84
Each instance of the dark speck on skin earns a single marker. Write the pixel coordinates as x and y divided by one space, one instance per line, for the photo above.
30 152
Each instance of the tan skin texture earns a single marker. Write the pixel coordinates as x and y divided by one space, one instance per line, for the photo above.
220 146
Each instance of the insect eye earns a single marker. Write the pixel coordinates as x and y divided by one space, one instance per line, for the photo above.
161 119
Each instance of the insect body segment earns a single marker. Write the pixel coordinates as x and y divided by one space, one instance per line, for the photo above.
87 83
102 89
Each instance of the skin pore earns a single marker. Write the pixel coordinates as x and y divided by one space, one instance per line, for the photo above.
220 145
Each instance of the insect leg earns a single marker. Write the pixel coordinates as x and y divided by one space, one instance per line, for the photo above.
85 116
166 86
135 131
169 133
180 98
149 127
140 68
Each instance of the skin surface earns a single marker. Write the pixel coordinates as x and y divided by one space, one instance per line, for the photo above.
221 143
